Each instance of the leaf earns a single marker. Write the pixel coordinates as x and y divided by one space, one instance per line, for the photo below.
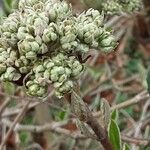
126 147
114 135
78 106
132 66
8 5
105 108
121 97
96 103
71 143
85 129
28 119
62 115
24 137
9 88
114 115
95 72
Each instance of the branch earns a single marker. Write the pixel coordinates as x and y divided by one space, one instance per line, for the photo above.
17 119
136 141
4 104
57 127
37 101
138 98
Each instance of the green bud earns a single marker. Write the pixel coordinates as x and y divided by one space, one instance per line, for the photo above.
31 55
54 77
39 69
3 68
57 85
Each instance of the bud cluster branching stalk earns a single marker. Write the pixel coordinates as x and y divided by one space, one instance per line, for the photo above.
40 43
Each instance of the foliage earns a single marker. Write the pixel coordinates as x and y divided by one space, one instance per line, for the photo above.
41 45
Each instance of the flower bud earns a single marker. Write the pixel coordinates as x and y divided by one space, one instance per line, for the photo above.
11 74
31 55
3 68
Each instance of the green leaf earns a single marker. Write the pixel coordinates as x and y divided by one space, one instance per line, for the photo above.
121 97
114 135
126 147
95 72
132 66
9 88
28 120
63 115
8 5
24 137
114 115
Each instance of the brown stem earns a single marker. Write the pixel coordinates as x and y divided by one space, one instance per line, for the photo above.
100 132
84 114
17 119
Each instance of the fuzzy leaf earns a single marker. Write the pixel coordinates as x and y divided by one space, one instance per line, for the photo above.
84 129
78 106
126 147
114 115
114 135
105 108
96 103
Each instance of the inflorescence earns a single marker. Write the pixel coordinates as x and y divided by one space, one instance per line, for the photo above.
111 7
40 43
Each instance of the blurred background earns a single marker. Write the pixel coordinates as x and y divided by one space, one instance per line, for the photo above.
117 77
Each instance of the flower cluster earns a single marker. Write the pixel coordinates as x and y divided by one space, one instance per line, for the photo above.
111 7
40 44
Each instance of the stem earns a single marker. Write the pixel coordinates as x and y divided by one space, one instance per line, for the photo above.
100 132
83 113
17 119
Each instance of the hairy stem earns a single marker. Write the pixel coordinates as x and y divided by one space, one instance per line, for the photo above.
84 114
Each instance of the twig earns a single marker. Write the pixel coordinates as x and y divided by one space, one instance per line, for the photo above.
53 127
130 130
97 89
4 104
142 96
15 111
17 119
4 127
138 127
136 141
57 128
138 98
